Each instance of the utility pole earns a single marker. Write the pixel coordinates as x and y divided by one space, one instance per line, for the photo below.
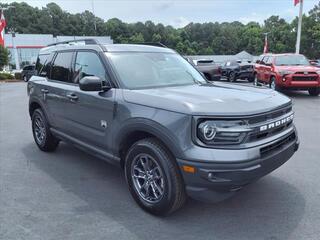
299 28
266 44
94 18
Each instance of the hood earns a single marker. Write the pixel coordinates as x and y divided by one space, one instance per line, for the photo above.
297 68
210 99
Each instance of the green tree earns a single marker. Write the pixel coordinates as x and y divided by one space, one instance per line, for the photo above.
4 57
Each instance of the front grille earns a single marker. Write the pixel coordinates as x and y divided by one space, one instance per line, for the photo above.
304 78
306 73
277 145
267 119
269 116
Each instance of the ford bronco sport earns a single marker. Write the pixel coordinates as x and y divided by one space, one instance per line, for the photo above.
288 71
148 110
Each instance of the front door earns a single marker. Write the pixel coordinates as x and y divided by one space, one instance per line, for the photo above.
89 114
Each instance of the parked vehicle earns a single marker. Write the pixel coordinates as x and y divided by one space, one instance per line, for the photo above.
208 68
315 63
148 110
234 70
288 71
27 72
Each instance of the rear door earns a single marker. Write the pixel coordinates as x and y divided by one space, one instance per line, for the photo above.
89 115
59 79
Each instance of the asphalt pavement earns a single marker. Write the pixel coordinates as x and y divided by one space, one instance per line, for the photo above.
69 194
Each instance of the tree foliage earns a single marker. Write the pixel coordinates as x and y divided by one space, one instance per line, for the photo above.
195 38
4 57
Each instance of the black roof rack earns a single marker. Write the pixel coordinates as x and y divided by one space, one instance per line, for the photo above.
87 41
155 44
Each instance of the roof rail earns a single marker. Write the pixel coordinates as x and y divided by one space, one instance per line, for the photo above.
87 41
155 44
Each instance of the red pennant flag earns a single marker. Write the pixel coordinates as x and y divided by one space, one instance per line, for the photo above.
2 26
297 2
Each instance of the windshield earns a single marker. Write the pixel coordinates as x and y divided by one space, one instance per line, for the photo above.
138 70
291 60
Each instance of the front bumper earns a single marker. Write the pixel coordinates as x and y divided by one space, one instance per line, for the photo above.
212 182
298 81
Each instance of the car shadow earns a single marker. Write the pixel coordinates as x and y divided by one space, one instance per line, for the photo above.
268 209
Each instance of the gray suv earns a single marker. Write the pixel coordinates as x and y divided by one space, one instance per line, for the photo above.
149 111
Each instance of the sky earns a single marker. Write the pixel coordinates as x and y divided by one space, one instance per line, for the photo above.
179 13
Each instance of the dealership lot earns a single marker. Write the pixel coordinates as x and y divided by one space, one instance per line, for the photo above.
71 195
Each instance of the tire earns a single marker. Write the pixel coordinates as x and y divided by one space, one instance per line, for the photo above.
25 78
165 187
252 78
232 77
41 132
314 91
273 84
255 80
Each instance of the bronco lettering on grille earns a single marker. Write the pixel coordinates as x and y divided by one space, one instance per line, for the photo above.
276 124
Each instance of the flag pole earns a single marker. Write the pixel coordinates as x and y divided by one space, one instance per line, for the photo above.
299 28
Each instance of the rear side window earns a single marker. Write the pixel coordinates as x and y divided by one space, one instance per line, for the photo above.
41 61
88 64
61 67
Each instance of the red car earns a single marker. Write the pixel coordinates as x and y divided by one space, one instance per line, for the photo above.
287 71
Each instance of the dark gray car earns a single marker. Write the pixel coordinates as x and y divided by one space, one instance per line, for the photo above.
151 112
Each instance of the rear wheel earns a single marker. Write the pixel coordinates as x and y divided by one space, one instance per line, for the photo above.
255 79
314 91
41 132
153 177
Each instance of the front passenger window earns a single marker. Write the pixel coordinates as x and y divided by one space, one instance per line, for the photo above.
88 64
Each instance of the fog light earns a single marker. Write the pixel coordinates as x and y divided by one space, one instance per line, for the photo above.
284 79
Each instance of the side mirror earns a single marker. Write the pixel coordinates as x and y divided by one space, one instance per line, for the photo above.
93 83
258 61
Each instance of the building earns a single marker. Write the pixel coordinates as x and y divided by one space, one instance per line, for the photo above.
220 59
24 48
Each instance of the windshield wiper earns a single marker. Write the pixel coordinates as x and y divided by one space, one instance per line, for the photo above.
195 80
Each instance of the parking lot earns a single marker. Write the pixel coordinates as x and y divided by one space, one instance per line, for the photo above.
71 195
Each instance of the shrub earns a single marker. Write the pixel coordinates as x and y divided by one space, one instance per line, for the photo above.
5 76
17 75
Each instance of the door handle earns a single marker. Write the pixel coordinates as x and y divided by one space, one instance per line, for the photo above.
72 96
44 90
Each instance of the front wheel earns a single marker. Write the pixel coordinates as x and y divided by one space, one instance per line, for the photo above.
314 91
273 85
232 77
153 178
25 78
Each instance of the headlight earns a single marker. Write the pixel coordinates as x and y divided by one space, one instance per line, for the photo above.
318 72
282 73
218 132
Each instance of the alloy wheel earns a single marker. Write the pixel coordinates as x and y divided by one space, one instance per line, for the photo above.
147 177
39 129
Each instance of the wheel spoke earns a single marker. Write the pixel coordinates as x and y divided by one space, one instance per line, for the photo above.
156 195
158 187
139 173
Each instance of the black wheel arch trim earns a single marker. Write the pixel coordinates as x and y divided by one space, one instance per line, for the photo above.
150 127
